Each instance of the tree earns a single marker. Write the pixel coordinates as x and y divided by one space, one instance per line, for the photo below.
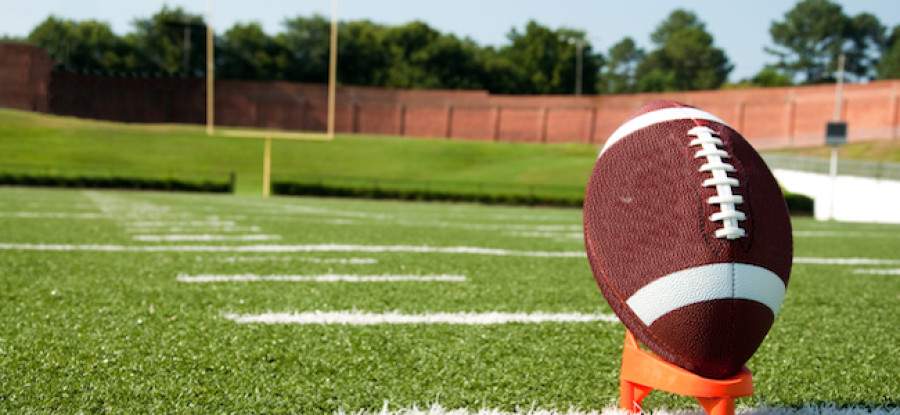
685 58
304 45
422 57
246 52
450 63
363 56
546 59
619 76
771 76
677 21
86 45
889 67
816 32
866 43
501 74
159 43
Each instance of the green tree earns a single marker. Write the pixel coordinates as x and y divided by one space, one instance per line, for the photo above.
409 56
889 66
363 55
867 42
453 63
619 75
246 52
422 57
501 74
85 45
304 46
685 58
678 20
546 59
771 76
816 32
160 44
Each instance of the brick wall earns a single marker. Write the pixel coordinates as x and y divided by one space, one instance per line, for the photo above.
128 99
23 76
769 118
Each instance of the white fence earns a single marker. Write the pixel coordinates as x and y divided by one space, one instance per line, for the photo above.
856 199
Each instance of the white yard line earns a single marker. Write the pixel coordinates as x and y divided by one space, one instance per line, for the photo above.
423 249
204 238
354 317
875 271
319 278
370 249
57 215
547 234
162 223
273 258
197 229
490 226
846 261
845 234
281 209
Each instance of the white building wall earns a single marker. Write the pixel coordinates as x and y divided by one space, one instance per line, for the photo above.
857 199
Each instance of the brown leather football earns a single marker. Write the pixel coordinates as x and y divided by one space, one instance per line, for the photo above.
688 236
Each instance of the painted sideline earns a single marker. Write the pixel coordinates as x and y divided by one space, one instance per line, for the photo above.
420 249
269 258
893 271
57 215
361 318
844 234
846 261
372 248
319 278
437 409
204 237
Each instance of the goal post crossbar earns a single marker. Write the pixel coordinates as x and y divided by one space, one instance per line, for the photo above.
262 133
273 134
269 135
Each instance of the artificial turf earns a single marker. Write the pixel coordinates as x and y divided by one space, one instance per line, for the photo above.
88 330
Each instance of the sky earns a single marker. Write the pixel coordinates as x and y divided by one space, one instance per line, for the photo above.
741 28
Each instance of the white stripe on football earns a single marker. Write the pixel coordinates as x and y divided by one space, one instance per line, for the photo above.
707 283
656 117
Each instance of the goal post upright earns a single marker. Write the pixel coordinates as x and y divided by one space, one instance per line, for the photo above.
332 69
263 133
210 70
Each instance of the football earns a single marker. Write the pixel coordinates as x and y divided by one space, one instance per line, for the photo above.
688 236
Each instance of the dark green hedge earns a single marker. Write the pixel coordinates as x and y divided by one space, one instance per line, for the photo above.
310 189
115 183
797 204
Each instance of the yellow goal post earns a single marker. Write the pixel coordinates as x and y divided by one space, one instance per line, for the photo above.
268 134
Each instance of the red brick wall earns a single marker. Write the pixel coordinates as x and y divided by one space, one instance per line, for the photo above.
23 76
147 100
769 118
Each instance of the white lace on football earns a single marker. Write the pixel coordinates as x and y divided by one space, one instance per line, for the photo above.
728 214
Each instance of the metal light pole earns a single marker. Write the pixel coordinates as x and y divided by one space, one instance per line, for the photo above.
833 166
186 54
186 27
579 43
210 70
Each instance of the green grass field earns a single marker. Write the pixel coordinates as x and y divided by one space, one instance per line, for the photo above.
42 143
102 308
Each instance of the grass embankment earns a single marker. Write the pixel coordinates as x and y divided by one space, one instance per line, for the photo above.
880 151
45 144
44 148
